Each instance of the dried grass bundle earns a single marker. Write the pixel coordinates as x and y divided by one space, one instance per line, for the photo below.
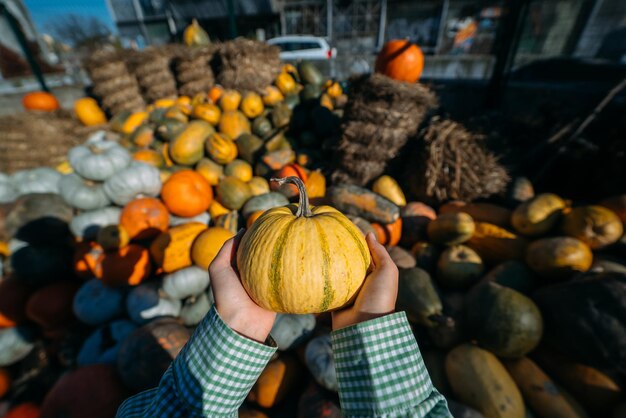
454 163
244 64
193 70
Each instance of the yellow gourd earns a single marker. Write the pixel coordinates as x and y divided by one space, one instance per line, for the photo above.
88 112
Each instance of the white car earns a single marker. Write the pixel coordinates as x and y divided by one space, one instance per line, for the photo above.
293 48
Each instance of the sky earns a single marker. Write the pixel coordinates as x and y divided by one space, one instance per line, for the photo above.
42 11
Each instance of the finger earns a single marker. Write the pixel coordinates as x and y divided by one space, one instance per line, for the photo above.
227 253
380 256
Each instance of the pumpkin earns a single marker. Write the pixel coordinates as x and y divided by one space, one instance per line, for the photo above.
190 281
148 301
216 210
281 115
285 83
253 217
514 274
230 100
290 331
207 245
459 267
137 179
388 188
538 215
233 193
148 352
37 219
252 105
495 244
8 193
558 258
275 160
194 35
150 157
187 193
319 359
133 121
207 112
129 265
326 101
195 309
333 89
418 297
37 180
402 258
401 60
479 380
13 297
388 234
540 392
113 237
480 212
596 226
272 96
258 186
210 170
364 226
168 129
229 221
24 410
274 383
233 123
88 112
415 218
240 169
276 276
15 344
94 391
264 202
618 205
451 228
358 201
144 218
249 147
315 184
519 324
221 148
172 249
103 345
188 146
204 218
41 264
215 93
85 258
98 160
40 100
96 303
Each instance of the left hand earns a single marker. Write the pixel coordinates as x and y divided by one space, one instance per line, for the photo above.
232 302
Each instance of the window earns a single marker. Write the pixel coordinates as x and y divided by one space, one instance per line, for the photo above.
300 46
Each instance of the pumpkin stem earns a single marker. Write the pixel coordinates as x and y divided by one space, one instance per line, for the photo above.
304 207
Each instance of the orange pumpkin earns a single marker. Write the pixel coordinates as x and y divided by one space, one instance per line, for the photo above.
40 100
208 112
210 170
172 249
207 245
86 256
51 306
389 234
215 93
24 410
187 193
149 156
272 96
278 377
316 184
216 210
88 112
234 123
126 266
287 171
230 100
401 60
144 218
13 297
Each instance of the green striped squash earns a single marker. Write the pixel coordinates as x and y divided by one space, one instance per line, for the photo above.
300 259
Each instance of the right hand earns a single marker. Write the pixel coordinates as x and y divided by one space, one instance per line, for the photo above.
378 294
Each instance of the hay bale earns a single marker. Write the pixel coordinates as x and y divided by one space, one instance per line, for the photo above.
193 71
152 70
244 64
453 163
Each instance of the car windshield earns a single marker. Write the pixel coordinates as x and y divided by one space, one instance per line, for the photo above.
287 46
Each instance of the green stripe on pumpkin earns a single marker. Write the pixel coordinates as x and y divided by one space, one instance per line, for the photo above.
276 268
329 293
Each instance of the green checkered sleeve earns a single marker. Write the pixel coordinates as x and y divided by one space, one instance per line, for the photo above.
381 372
210 377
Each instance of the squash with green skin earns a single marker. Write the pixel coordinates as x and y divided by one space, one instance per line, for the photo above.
258 186
233 193
459 267
514 274
451 228
221 148
98 159
188 146
170 128
87 224
358 201
240 169
249 147
262 127
41 264
183 283
264 202
83 195
418 297
310 73
36 180
136 179
195 308
281 115
147 301
558 258
596 226
290 331
318 357
503 320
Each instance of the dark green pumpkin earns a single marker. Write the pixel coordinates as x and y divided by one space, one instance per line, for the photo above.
158 114
233 193
262 126
418 297
426 255
502 320
281 115
586 318
292 100
310 92
264 202
277 142
358 201
310 74
514 274
169 129
249 147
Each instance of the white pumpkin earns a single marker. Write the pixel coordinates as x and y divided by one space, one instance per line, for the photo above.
291 330
37 180
15 344
87 224
96 303
319 359
148 301
195 309
138 179
183 283
98 159
203 218
7 191
81 194
103 345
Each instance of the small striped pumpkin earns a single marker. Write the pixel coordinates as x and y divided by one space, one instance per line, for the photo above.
302 259
221 148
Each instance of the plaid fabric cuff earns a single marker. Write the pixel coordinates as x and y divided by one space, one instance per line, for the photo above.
217 368
380 370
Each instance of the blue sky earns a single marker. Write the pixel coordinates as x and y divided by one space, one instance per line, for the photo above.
42 11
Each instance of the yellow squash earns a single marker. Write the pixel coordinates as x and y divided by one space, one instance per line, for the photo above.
252 105
387 187
302 259
221 148
188 147
234 123
88 112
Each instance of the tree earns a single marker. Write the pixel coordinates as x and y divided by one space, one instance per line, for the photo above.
80 31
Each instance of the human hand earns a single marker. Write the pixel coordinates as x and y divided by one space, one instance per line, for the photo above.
378 294
232 302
